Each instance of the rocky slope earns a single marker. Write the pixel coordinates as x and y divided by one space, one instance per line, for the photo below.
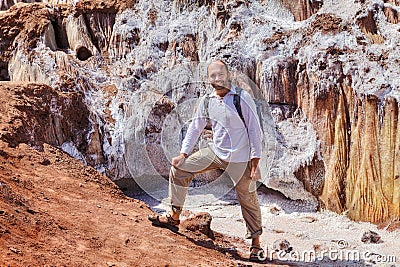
327 69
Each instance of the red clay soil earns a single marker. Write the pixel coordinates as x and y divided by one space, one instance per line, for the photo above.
55 211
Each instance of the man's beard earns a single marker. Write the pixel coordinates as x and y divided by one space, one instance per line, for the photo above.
223 86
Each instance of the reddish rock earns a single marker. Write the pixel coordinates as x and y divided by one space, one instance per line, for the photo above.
38 114
199 224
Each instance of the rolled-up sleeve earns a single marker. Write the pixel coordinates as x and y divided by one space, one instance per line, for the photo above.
196 126
254 130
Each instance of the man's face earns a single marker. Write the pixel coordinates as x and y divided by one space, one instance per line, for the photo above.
218 76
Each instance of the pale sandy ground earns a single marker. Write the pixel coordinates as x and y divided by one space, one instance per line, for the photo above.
312 235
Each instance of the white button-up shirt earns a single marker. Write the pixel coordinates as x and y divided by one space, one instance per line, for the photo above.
232 140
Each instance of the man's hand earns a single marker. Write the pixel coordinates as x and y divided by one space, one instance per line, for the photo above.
177 161
255 173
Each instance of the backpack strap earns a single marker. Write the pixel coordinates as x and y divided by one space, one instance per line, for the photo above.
236 103
205 106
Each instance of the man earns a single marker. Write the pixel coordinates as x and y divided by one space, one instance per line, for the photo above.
236 148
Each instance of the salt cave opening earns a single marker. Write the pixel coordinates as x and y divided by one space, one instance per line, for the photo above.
83 53
4 74
60 34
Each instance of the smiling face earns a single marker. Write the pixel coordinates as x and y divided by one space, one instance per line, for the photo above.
218 75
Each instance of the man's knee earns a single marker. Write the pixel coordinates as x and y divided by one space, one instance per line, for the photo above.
177 175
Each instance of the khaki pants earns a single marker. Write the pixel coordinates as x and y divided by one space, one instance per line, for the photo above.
206 160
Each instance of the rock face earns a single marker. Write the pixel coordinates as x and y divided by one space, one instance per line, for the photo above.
325 76
302 9
36 114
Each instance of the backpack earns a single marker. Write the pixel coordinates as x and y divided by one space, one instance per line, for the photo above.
236 103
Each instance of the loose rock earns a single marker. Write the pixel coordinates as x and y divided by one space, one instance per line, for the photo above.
371 237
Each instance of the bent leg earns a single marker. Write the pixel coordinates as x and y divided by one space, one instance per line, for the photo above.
180 178
179 181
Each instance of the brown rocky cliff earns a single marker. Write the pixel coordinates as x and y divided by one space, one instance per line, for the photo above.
358 131
35 114
359 134
372 188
